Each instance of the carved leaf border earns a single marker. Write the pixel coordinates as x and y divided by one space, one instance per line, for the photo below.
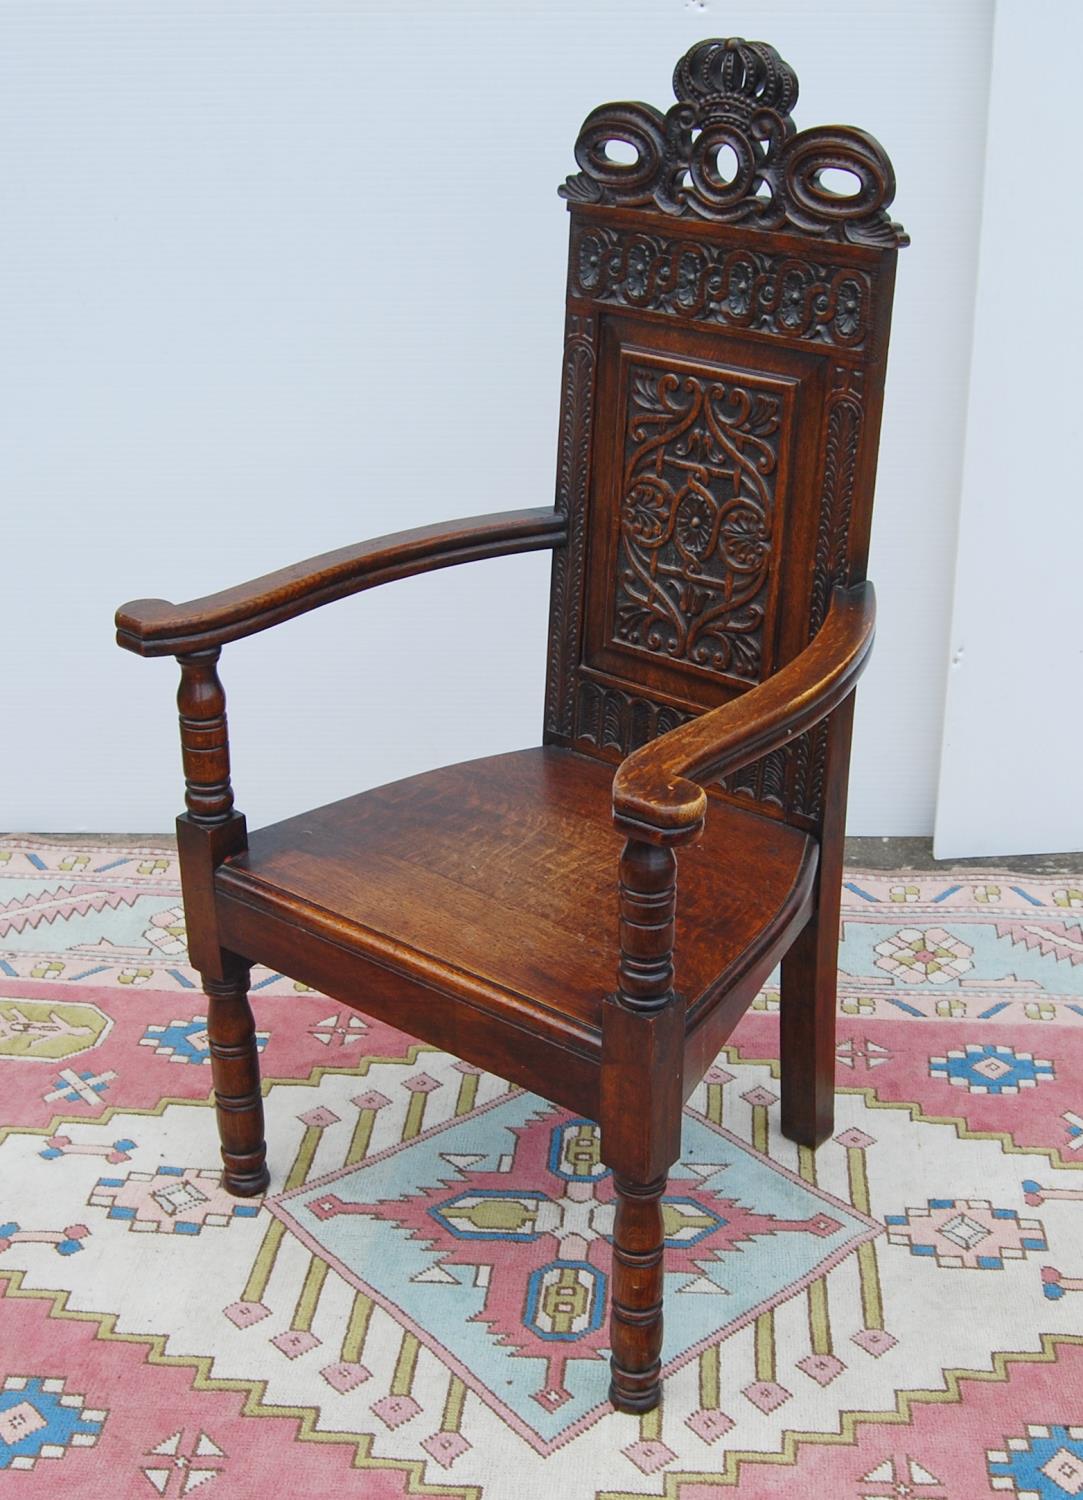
571 501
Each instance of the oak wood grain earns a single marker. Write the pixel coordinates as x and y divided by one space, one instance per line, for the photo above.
495 879
155 627
652 792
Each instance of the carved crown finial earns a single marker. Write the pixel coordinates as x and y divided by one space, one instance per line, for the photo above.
733 103
730 76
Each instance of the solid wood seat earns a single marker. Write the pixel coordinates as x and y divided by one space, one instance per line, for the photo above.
493 879
725 348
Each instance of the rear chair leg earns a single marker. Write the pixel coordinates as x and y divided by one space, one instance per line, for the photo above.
807 1030
810 970
635 1319
235 1069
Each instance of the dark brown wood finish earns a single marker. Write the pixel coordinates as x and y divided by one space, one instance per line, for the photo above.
592 936
642 1056
154 627
207 833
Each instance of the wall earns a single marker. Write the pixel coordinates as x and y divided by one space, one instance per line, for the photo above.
1009 780
291 275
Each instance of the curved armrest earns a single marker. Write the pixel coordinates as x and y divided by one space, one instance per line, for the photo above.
652 796
154 627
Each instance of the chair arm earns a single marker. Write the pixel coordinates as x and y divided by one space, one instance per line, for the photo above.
654 798
154 627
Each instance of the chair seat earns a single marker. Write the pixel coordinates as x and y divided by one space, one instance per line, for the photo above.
496 880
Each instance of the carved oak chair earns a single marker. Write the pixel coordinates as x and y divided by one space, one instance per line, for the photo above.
723 381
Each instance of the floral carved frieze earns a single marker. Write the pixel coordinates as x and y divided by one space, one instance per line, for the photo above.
741 288
697 519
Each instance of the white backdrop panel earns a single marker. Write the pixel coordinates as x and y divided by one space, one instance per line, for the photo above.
288 275
1009 780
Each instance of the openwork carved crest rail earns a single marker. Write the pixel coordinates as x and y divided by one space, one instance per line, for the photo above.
733 101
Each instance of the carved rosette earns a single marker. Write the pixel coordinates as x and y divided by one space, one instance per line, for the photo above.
697 520
738 288
728 152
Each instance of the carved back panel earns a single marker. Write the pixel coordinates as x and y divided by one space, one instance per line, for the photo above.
726 339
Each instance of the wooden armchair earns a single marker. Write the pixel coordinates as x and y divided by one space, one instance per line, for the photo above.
723 378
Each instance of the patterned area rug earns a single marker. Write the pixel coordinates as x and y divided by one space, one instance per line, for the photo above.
417 1306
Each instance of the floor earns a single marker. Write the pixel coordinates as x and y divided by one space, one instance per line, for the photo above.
917 854
868 853
416 1307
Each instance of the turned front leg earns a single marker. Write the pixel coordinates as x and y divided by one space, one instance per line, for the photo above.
636 1303
235 1071
642 1069
209 832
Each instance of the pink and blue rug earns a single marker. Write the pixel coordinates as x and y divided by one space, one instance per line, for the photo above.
417 1307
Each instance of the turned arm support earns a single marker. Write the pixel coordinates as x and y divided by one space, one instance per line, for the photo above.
656 795
211 830
154 627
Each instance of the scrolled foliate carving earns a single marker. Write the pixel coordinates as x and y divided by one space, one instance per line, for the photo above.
733 103
737 287
697 519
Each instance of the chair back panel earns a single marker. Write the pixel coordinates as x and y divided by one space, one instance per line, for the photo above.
723 380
